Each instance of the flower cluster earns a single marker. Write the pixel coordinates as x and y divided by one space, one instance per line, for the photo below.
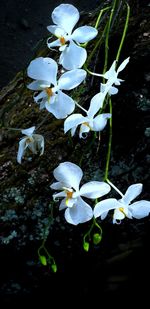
50 87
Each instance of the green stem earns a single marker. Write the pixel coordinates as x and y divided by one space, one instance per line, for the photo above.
109 143
107 37
94 223
97 22
89 231
100 15
97 225
13 129
124 32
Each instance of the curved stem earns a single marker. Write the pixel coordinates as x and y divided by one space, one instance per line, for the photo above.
107 37
98 226
109 142
124 31
98 44
13 129
100 15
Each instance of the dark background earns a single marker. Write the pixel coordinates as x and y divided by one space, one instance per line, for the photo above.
22 25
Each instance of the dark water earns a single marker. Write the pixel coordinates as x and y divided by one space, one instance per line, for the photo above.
22 24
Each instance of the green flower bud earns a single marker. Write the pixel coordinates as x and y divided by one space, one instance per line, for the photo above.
54 268
86 246
43 260
97 238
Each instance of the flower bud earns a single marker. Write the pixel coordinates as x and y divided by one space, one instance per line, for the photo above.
43 260
86 246
97 238
54 268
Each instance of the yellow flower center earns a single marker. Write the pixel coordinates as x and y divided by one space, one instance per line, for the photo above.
87 125
62 40
49 92
29 140
122 210
69 196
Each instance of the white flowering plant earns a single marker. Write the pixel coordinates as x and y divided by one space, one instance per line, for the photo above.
81 203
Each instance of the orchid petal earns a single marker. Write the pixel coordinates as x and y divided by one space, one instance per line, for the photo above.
69 173
104 206
56 186
94 189
81 212
50 102
104 215
71 79
52 44
118 215
118 81
84 128
32 146
112 90
132 192
104 88
65 16
40 96
140 209
43 69
73 57
28 131
63 204
58 32
73 130
96 104
100 121
84 34
59 195
38 85
123 65
111 73
21 150
73 121
39 139
62 107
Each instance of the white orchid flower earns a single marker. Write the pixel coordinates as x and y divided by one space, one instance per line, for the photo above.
68 176
65 17
112 76
44 71
89 122
122 207
34 142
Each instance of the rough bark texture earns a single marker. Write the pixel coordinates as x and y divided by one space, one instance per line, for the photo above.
26 199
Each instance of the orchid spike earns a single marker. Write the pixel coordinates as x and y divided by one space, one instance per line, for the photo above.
68 176
89 122
34 142
44 72
65 17
122 207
